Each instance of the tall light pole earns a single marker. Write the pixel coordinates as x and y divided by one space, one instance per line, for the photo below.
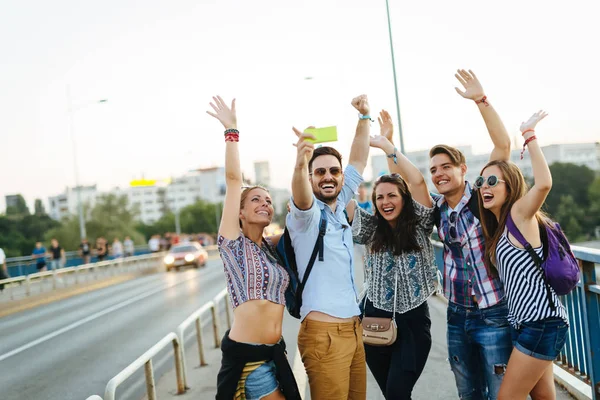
71 110
387 7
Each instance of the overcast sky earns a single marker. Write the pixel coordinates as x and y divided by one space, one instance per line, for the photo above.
158 63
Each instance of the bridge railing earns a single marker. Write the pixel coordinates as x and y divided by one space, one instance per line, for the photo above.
581 355
178 340
59 277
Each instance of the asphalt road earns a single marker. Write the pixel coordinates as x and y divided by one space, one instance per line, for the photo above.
70 349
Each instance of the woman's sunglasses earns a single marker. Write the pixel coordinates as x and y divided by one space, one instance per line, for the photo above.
321 172
492 181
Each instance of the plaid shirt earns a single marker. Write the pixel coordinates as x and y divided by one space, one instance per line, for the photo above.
465 274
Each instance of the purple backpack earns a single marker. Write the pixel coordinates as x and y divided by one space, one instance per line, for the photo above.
559 267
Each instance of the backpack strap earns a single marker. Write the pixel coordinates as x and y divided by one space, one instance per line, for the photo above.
513 230
318 249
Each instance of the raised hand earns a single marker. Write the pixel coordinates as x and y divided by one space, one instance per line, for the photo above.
386 127
361 103
226 115
533 120
473 88
381 142
304 148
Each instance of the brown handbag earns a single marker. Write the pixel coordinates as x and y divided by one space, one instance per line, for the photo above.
380 331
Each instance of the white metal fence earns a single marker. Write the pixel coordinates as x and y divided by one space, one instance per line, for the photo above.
178 341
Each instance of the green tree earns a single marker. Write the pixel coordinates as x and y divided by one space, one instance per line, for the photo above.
594 196
569 180
19 209
110 217
569 215
19 234
39 207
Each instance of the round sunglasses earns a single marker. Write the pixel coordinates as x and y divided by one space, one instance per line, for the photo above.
491 180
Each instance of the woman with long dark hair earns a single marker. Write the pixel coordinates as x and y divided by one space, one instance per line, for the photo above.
254 364
538 320
399 266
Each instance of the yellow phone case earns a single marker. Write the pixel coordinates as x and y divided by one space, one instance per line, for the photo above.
323 135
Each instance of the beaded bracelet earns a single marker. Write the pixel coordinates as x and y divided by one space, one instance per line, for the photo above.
232 130
482 100
232 137
529 139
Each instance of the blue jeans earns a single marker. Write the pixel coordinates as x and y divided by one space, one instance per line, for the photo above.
262 381
541 339
479 346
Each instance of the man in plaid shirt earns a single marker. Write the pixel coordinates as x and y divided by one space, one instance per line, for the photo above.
479 337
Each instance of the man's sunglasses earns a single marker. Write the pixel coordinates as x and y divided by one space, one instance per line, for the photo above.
492 181
321 172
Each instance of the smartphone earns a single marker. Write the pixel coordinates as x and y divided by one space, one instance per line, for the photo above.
323 135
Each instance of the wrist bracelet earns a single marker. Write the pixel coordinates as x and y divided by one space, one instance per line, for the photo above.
232 130
482 100
232 137
393 155
527 130
529 139
367 116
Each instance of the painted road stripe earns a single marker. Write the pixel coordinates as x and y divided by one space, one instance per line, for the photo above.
88 319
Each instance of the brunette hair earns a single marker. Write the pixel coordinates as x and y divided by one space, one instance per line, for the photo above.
516 187
245 192
401 238
324 151
456 156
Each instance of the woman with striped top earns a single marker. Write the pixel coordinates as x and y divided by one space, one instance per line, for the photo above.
538 329
254 364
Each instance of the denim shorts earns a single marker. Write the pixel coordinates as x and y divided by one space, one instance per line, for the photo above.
262 381
541 339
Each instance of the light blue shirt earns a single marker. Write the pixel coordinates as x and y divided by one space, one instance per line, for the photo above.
330 288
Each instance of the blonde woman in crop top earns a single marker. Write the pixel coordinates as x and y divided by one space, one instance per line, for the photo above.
254 365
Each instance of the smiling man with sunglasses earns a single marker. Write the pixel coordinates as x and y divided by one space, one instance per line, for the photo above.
478 333
330 336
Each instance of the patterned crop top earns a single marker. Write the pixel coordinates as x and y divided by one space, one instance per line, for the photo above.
252 272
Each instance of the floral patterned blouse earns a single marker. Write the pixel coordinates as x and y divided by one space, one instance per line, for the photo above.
417 272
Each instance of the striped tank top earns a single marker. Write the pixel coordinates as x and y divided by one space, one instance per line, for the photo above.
524 285
252 272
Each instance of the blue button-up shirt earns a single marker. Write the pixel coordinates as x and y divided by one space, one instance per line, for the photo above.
330 288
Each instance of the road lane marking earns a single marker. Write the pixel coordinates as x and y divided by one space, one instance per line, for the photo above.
89 318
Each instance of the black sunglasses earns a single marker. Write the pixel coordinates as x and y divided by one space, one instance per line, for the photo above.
492 181
321 172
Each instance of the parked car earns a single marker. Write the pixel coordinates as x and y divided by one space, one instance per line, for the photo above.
186 254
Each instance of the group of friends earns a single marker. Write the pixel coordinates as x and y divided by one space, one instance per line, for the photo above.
502 332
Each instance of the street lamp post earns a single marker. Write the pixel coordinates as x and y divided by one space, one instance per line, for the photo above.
71 110
387 7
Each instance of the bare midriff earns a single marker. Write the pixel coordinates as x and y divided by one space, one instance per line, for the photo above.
257 321
319 316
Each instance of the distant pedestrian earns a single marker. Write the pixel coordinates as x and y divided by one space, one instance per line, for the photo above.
154 243
85 251
57 255
363 199
3 269
129 247
39 255
101 248
117 248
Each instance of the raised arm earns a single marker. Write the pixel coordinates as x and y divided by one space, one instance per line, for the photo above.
301 189
398 163
359 152
498 134
230 225
526 207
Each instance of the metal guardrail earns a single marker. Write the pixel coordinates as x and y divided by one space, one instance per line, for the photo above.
581 355
178 341
196 318
95 270
145 360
